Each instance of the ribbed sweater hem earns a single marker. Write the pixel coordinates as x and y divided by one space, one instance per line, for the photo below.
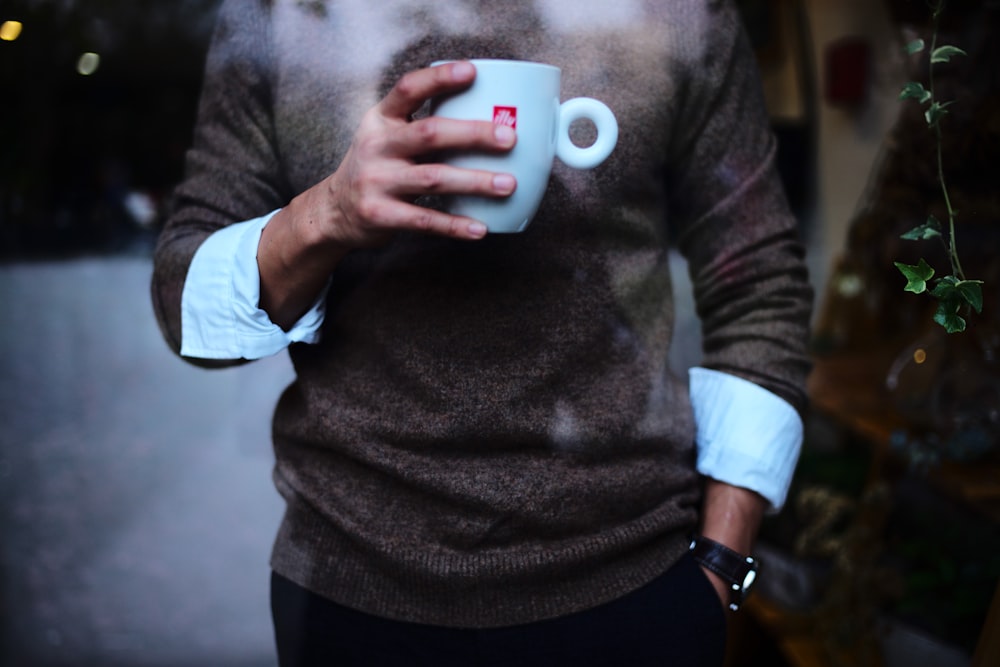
485 591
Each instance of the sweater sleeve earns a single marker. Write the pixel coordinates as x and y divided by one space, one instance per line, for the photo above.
232 171
731 218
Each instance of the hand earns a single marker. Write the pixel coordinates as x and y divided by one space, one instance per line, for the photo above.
375 186
371 193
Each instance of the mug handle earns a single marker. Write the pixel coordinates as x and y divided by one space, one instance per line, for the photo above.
607 132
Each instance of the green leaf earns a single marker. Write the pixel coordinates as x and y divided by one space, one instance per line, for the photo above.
953 295
946 289
916 46
943 54
935 112
948 317
916 276
915 90
972 293
929 230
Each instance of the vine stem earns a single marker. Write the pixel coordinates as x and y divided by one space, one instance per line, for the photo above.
951 247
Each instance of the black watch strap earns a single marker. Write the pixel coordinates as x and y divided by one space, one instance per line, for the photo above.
737 570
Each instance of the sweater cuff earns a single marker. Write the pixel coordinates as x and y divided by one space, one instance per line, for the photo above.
747 436
220 313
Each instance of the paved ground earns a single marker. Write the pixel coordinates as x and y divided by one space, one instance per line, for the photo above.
136 506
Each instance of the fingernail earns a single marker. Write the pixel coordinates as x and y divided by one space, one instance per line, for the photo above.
504 134
462 71
477 229
504 183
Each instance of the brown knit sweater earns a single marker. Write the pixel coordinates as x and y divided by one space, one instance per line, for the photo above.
488 433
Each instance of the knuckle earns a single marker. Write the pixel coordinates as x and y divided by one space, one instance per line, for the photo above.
369 211
431 178
427 130
360 185
487 133
407 86
423 220
370 144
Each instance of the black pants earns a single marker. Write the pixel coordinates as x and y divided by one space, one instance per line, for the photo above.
675 621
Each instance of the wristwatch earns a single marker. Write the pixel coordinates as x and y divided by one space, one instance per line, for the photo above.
735 569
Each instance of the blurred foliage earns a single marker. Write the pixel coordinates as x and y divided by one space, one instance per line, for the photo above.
863 308
955 293
881 542
74 146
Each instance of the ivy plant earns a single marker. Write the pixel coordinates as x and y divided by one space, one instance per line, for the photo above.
955 293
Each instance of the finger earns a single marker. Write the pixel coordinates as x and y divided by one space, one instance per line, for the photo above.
416 87
443 179
435 134
397 215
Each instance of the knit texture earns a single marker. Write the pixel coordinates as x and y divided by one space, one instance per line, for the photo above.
488 433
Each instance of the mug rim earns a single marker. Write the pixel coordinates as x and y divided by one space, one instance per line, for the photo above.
497 61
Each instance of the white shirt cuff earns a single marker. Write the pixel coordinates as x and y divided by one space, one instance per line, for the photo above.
220 313
747 436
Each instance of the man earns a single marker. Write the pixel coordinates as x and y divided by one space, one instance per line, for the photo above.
484 455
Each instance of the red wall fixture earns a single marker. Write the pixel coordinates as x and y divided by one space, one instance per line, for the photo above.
847 68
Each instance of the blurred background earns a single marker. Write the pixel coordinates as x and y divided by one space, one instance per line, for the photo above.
136 508
99 103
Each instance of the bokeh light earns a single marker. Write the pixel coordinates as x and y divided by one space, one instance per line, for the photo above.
88 63
10 30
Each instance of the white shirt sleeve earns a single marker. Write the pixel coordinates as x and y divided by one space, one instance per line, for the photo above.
220 313
747 436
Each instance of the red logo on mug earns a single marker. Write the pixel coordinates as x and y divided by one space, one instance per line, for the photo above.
505 116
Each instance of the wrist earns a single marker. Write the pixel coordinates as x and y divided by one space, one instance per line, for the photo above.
315 221
295 258
732 574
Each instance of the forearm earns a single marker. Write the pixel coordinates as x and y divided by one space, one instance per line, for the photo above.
295 258
731 515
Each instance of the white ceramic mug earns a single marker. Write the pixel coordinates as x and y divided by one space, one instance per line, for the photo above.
524 95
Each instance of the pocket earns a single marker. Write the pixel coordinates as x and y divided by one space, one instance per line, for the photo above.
703 592
696 619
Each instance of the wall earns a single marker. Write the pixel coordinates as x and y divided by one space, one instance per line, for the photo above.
848 139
